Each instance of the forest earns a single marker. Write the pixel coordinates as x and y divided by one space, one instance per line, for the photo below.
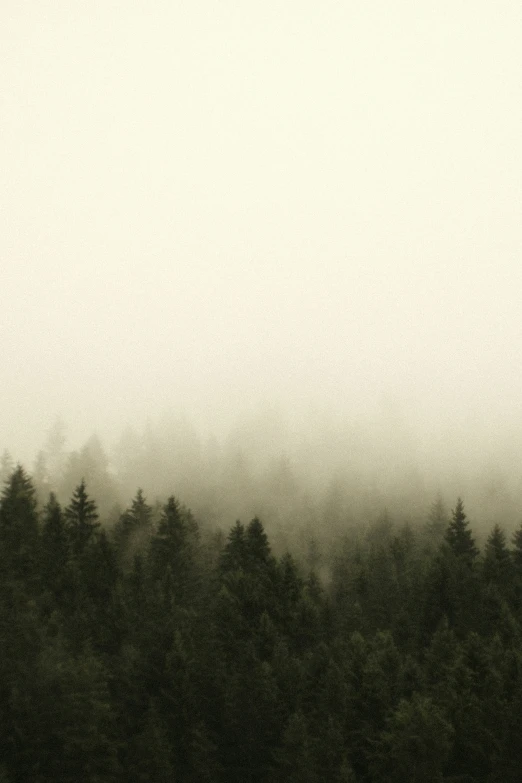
146 644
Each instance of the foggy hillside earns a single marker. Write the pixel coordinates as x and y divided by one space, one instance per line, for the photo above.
260 391
318 477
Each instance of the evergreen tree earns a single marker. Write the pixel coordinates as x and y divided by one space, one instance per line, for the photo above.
458 535
174 547
233 556
133 528
497 561
66 723
81 519
415 744
149 756
99 577
296 764
257 546
19 532
170 540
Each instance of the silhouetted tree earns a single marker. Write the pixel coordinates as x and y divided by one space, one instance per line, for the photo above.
458 535
133 528
497 561
81 517
19 534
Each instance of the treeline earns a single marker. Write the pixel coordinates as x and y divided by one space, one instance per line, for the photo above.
157 649
316 475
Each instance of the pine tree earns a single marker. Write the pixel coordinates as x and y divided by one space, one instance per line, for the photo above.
257 546
295 758
458 535
170 540
19 525
81 518
233 556
133 528
415 744
173 546
497 561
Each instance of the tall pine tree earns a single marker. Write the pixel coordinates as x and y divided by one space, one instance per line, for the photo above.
458 535
19 532
81 518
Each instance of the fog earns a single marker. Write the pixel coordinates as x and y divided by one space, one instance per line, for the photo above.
232 214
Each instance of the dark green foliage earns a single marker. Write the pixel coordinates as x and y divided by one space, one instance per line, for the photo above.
415 744
233 557
458 535
154 653
81 518
497 560
173 551
66 724
133 529
296 763
19 534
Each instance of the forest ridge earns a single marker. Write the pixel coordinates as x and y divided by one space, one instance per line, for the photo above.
158 649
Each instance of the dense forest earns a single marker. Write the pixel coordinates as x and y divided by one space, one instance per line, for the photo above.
148 645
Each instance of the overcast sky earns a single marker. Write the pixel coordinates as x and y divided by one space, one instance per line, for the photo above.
208 205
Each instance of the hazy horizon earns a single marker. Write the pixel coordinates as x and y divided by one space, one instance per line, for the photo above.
212 210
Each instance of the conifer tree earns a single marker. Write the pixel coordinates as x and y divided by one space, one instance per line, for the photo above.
173 546
415 744
19 525
295 756
171 537
257 546
81 518
233 556
133 527
458 535
497 561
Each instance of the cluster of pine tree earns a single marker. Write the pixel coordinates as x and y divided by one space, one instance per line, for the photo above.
156 651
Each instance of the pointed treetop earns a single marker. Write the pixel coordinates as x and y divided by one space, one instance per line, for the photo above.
458 535
496 546
82 518
18 497
497 560
233 555
257 542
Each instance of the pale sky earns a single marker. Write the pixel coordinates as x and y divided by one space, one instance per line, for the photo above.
209 205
